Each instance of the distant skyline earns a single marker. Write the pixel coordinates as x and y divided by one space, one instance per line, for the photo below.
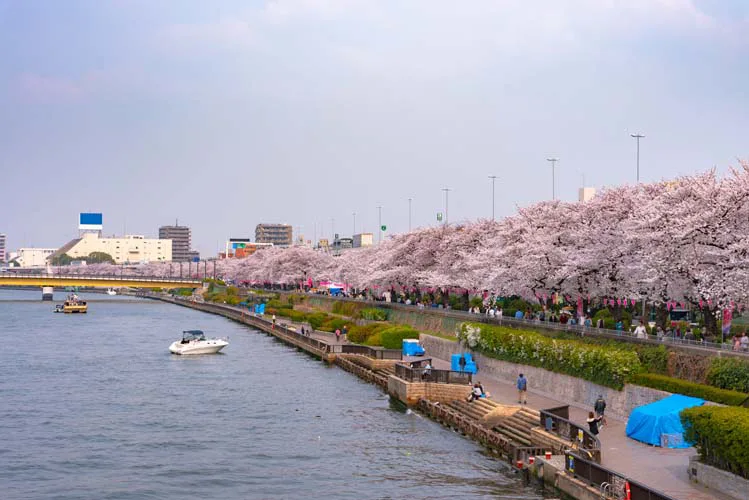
231 113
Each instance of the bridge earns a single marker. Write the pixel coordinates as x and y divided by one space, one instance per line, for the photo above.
112 281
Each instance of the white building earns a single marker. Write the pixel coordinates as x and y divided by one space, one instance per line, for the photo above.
586 193
33 257
126 249
363 240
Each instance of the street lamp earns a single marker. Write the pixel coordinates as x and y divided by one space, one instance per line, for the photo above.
379 220
493 178
637 137
354 214
446 190
553 177
409 214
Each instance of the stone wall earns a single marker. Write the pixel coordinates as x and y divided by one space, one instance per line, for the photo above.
570 390
719 480
410 392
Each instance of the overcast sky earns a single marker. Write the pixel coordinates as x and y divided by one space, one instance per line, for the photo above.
225 114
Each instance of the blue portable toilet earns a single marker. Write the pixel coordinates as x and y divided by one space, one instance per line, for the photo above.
411 347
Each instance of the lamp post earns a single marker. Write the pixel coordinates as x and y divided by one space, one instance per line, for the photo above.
637 137
409 214
379 223
446 190
493 178
553 177
353 233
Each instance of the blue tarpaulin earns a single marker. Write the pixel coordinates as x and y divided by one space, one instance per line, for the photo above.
659 424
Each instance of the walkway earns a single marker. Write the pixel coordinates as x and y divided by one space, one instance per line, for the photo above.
662 469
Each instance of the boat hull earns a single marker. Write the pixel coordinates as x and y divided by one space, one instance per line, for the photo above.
201 347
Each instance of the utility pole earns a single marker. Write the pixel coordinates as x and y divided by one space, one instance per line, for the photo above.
354 232
332 226
493 178
446 190
409 214
553 177
637 137
379 220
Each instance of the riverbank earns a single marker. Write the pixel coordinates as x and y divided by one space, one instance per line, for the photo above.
661 469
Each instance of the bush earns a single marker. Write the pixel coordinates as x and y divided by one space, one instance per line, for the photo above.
332 324
277 304
359 334
374 314
609 321
678 386
392 338
653 359
721 436
729 373
317 319
609 366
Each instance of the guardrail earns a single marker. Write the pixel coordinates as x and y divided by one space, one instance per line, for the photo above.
364 350
101 277
580 330
431 375
610 483
576 434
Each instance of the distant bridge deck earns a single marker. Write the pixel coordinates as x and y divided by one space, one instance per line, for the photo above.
42 280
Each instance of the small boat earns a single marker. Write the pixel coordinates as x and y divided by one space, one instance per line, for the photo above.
73 305
194 342
111 291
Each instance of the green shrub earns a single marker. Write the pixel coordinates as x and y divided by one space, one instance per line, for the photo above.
359 334
277 304
678 386
609 321
729 373
350 309
374 314
374 340
721 436
609 366
653 359
392 338
317 319
332 324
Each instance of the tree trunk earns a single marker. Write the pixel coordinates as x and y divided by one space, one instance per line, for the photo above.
661 317
711 324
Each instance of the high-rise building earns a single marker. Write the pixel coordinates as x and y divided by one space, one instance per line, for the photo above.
3 254
586 193
363 240
181 241
278 234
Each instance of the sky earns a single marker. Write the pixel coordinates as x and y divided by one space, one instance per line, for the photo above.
230 113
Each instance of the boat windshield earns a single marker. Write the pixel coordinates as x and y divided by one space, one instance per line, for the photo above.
193 335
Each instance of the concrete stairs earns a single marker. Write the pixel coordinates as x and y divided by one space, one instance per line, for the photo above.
516 428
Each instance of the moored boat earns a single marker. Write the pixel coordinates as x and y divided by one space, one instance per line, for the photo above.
195 342
72 305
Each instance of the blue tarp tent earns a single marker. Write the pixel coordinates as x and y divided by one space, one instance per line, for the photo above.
659 424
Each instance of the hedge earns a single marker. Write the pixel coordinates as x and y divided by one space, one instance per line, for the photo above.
729 373
392 338
721 436
679 386
350 309
609 366
360 334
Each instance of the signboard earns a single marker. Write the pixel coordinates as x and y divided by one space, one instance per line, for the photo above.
384 228
439 216
90 221
727 320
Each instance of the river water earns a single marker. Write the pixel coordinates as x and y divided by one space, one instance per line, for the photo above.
94 407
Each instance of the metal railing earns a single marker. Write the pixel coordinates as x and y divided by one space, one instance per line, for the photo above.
107 277
431 375
364 350
578 436
608 481
579 330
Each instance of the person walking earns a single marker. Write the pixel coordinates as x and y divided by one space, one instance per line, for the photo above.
462 363
522 385
344 332
593 423
338 335
600 408
274 322
744 342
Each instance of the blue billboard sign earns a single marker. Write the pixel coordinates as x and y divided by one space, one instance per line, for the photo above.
90 219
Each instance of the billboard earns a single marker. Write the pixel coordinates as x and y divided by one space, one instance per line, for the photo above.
90 221
235 243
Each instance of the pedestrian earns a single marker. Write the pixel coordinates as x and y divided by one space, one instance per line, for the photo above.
345 332
600 408
641 332
522 385
476 392
599 323
593 423
744 342
338 335
736 343
273 319
302 331
462 363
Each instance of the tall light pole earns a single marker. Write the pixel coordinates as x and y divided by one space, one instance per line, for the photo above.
553 177
379 223
637 137
493 178
352 234
409 214
446 190
332 227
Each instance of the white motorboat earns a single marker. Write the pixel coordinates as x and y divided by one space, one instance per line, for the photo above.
111 291
194 342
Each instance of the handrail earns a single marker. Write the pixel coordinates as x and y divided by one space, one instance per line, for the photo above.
432 375
596 474
104 277
566 429
580 330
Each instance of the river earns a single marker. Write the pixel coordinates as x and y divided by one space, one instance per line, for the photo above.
94 407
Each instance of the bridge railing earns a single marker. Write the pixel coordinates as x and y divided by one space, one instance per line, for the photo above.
104 277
